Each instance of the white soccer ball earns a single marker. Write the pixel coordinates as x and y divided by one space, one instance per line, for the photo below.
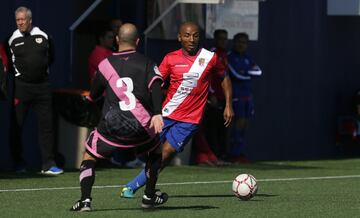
244 186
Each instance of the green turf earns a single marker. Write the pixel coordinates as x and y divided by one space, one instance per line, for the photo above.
333 197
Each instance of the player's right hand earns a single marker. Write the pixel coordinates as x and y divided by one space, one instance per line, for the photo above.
228 115
157 123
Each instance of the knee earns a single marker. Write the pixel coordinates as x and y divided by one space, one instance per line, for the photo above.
168 152
87 156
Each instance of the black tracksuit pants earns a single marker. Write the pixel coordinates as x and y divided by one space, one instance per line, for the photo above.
38 97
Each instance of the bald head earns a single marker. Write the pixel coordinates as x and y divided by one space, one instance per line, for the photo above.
188 24
127 35
189 36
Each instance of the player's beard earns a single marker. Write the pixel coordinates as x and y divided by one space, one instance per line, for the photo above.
193 50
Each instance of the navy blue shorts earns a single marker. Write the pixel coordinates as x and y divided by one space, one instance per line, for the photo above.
177 133
243 107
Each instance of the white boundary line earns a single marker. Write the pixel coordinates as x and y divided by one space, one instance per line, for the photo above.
187 183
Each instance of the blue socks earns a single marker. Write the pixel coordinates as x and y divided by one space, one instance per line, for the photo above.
238 142
138 182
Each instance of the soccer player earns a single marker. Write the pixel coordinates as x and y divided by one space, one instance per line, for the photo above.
210 141
189 70
131 116
215 133
241 69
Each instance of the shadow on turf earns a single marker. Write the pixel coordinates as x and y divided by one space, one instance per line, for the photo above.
201 196
266 195
217 196
193 207
258 197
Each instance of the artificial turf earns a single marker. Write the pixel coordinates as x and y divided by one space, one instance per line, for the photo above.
324 188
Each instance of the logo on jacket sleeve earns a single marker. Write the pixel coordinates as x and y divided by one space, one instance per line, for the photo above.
38 40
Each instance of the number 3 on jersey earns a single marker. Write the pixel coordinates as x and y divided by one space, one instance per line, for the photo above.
128 92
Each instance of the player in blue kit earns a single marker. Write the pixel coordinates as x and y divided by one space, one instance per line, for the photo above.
241 69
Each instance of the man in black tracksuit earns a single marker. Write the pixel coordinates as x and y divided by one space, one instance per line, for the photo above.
32 54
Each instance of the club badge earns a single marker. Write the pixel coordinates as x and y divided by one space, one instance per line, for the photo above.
38 40
201 61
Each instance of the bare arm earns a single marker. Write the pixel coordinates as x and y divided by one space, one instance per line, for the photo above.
228 111
156 120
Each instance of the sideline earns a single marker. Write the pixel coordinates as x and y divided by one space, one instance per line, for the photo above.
187 183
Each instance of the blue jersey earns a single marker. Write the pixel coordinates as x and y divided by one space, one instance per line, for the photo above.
241 68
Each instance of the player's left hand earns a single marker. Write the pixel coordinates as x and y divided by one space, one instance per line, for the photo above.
228 115
157 123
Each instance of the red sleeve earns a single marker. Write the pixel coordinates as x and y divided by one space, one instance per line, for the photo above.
4 57
219 68
164 68
96 56
94 61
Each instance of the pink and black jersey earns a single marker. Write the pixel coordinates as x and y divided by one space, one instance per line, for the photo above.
189 83
126 79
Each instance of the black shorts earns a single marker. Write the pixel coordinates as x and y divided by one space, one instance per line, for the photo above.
99 147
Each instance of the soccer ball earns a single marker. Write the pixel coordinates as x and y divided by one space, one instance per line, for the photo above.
244 186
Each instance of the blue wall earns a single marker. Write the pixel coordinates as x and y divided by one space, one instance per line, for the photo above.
311 72
309 60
